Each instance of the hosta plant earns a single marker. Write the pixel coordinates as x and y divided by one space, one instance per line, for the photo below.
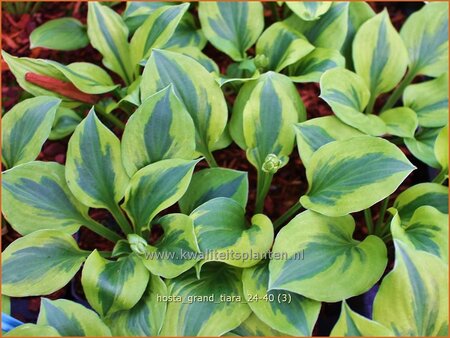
194 248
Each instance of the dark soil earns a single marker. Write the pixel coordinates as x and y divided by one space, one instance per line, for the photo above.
288 184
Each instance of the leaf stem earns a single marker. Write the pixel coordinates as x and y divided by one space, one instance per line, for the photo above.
441 177
369 222
382 213
210 159
409 77
121 219
263 186
371 104
101 230
110 117
288 214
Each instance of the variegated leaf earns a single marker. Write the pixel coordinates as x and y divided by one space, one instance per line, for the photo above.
66 120
400 121
232 27
36 197
25 128
282 46
327 32
208 184
263 117
284 311
314 133
60 34
40 263
194 52
109 35
187 34
176 252
413 297
146 317
87 77
32 330
218 314
311 67
379 54
254 327
112 286
368 171
425 34
21 66
155 188
427 230
309 10
94 170
195 87
431 194
432 108
159 129
422 145
71 319
315 249
221 227
136 12
352 324
156 31
348 95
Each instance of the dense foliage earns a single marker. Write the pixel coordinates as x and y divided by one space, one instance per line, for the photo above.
214 269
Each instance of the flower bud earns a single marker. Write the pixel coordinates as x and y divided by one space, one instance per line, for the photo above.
137 244
271 164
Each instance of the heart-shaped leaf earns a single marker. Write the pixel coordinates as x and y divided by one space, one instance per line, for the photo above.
328 248
425 34
159 129
155 188
219 309
111 286
368 171
223 233
422 145
195 87
263 118
348 95
94 170
36 197
284 311
431 194
432 108
427 230
71 319
187 34
25 128
232 27
314 133
40 263
412 299
146 317
60 34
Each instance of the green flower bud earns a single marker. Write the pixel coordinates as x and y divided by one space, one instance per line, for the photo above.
271 164
137 244
261 62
